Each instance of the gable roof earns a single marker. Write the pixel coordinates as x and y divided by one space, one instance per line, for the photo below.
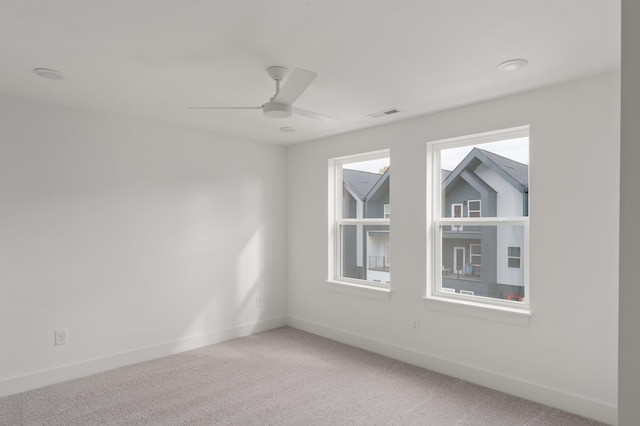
360 183
517 174
518 171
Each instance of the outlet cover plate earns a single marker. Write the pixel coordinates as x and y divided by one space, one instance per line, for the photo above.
60 337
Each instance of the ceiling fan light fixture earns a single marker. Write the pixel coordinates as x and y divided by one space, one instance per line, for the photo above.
512 64
276 110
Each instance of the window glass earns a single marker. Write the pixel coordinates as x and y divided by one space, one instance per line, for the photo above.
479 208
361 223
365 192
474 262
493 175
365 253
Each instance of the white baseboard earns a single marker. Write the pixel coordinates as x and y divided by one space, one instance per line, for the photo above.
85 368
573 403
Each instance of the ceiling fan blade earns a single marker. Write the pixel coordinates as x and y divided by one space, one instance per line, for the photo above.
294 86
258 107
309 114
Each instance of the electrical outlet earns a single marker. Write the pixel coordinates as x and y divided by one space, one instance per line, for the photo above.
415 325
259 301
60 337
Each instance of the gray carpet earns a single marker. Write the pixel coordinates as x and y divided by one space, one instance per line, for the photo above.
279 377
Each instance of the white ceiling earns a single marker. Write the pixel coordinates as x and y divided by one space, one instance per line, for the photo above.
156 58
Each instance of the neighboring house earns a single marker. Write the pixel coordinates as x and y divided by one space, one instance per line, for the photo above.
366 248
485 260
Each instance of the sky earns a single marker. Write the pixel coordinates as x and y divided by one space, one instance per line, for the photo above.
515 149
372 166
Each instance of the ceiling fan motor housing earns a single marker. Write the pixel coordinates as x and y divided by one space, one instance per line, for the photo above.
276 110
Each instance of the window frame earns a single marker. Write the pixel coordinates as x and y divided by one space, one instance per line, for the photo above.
478 210
454 207
510 257
472 254
435 223
336 221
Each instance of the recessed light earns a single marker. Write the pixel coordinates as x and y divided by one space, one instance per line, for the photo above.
48 73
287 129
512 64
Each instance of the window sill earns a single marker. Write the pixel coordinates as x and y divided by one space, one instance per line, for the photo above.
371 292
484 311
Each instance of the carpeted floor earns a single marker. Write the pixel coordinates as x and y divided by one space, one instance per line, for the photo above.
279 377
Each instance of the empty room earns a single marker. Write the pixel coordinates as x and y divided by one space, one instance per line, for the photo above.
319 212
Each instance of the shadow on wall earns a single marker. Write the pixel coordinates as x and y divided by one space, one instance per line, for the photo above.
231 257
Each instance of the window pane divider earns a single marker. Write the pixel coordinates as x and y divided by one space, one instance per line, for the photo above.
471 221
364 221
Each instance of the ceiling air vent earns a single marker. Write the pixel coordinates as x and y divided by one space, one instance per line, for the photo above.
383 113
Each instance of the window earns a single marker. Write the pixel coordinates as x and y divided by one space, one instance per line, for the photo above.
359 213
488 176
513 257
474 208
475 254
456 211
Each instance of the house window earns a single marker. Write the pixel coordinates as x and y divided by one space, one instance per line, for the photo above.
489 175
359 219
456 211
473 209
513 257
475 254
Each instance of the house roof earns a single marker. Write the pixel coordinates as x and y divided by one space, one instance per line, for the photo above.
377 191
517 174
359 182
518 171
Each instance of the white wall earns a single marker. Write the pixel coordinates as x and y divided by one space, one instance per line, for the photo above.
139 238
629 397
566 355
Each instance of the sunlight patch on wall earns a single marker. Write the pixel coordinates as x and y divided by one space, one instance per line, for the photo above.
249 269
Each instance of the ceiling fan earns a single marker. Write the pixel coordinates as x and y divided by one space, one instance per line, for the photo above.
280 105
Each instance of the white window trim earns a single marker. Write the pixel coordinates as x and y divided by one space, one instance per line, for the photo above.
352 285
472 255
453 209
514 257
434 292
479 210
454 269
